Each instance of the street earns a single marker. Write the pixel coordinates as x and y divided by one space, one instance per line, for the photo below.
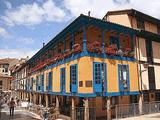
19 114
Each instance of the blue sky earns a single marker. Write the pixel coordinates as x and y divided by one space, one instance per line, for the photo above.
26 24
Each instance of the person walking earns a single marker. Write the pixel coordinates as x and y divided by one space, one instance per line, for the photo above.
11 106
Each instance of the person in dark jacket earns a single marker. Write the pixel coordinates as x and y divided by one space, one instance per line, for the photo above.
11 105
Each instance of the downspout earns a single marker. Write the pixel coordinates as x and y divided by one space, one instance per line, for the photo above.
138 55
140 66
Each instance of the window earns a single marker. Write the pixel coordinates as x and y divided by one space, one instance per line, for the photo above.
114 41
151 77
140 24
158 29
6 69
59 50
149 51
0 82
97 73
73 74
123 77
133 99
146 97
71 44
63 76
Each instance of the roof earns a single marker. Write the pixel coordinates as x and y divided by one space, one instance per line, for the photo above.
80 22
6 60
134 13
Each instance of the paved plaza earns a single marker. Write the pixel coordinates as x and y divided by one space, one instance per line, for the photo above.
155 116
19 114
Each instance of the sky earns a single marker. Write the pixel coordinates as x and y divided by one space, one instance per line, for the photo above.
26 24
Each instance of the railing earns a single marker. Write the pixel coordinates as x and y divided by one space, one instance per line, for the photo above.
131 110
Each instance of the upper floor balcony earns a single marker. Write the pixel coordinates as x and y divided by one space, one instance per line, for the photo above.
85 35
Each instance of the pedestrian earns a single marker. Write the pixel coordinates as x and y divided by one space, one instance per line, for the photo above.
11 106
17 101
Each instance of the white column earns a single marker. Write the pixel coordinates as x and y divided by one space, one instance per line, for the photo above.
30 97
73 108
46 100
140 104
109 108
40 99
57 104
34 98
86 109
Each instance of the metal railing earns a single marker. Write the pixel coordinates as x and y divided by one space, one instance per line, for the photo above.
131 110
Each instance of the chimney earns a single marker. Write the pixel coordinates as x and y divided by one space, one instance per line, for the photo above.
43 44
89 14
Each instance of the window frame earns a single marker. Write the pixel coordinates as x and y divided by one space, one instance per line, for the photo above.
73 71
140 24
63 78
121 78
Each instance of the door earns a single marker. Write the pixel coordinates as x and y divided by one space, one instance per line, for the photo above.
63 79
73 78
99 77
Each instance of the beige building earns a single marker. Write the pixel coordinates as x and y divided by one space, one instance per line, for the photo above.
5 65
147 48
19 73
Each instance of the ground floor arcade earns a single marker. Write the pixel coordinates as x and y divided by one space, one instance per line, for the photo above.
74 107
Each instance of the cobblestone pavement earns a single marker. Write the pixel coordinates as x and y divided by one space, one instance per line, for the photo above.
19 114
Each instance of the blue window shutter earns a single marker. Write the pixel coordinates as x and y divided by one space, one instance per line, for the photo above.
73 77
42 80
120 78
36 83
50 81
61 80
128 77
105 77
32 83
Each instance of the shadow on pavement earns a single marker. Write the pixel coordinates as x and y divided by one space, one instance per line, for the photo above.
17 116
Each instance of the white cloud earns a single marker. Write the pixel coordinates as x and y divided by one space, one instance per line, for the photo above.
3 33
25 40
17 53
33 14
99 8
8 4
